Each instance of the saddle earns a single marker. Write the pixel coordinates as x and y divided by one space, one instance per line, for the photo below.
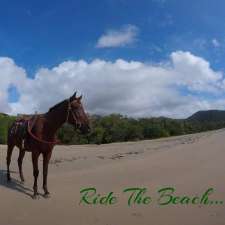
20 127
22 131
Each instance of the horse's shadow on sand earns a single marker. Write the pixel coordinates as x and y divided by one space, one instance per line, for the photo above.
14 184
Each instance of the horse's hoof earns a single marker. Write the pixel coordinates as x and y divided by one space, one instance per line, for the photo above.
47 195
35 196
22 181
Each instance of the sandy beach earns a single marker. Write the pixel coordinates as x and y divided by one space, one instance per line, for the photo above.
190 164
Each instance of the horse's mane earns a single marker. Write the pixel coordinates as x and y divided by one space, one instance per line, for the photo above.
57 105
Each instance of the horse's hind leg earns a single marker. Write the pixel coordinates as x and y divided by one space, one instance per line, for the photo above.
20 162
35 156
8 160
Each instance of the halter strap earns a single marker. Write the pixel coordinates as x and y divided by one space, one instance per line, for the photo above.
78 124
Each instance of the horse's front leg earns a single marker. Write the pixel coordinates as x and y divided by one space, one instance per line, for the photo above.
35 156
46 158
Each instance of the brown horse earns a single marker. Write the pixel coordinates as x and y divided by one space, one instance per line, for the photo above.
37 134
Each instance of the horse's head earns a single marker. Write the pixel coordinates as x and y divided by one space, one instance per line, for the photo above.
76 114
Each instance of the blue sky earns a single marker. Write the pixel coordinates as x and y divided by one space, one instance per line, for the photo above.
37 34
44 33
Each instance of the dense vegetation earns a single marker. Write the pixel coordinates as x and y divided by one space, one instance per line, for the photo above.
117 128
5 122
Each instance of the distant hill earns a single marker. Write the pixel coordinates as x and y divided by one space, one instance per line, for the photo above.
208 116
3 114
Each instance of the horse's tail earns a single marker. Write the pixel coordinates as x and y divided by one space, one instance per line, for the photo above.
11 133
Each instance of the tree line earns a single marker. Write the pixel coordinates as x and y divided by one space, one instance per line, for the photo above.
118 128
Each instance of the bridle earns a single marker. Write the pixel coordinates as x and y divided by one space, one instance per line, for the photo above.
69 110
74 116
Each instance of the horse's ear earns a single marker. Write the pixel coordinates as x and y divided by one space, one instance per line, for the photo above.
79 98
73 96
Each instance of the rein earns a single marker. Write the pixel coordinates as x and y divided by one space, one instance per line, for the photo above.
67 118
38 139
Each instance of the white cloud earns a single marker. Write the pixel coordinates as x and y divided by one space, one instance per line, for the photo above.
215 43
10 74
118 38
196 73
132 88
